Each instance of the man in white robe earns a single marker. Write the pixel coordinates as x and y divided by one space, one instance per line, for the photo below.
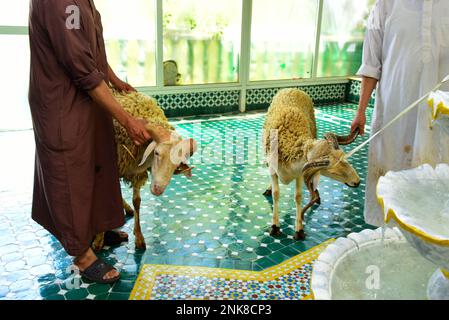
406 53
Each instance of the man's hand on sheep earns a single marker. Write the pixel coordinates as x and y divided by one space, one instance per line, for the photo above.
123 86
137 130
359 122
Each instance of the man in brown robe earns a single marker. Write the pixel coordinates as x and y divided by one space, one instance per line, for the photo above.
76 187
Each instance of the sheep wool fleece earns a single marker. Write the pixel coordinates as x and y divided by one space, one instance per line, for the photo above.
407 49
76 186
292 116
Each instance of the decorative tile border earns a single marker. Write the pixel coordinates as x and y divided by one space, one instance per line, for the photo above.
289 280
353 90
257 99
227 101
33 264
199 103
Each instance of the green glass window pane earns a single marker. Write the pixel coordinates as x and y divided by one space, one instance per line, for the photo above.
130 36
15 68
14 13
342 34
203 38
282 39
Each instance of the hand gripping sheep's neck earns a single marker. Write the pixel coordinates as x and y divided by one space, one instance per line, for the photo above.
297 155
165 156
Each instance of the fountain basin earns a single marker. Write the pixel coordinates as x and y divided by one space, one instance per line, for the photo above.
417 201
371 265
439 103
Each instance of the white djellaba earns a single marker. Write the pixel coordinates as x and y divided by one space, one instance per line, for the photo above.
405 48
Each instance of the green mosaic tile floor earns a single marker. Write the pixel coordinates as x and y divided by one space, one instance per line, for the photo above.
219 218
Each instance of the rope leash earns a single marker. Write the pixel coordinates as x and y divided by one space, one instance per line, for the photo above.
400 115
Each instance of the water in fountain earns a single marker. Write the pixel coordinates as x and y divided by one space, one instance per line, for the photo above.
384 229
393 270
445 211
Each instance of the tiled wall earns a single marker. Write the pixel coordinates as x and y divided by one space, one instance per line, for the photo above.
199 103
219 102
261 98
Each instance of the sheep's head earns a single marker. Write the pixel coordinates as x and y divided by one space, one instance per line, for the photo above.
327 159
167 154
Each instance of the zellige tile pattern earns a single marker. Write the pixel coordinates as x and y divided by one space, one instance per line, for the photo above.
216 219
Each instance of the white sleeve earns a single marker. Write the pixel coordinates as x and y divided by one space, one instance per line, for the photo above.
372 46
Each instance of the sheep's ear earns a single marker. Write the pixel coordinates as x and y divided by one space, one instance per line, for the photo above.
183 150
185 170
188 172
149 150
189 147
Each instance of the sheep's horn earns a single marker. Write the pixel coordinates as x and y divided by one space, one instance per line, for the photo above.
311 168
193 146
343 141
315 196
183 168
332 138
309 171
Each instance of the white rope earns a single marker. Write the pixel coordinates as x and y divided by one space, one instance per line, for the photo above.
400 115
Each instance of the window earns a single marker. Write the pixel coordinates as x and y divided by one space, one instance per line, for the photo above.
14 13
283 39
203 38
130 36
14 65
342 34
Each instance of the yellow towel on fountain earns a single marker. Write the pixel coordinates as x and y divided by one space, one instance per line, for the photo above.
439 102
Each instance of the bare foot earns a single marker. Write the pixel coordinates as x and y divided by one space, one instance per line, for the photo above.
85 261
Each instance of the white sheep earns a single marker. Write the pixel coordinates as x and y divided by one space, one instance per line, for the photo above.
166 155
294 153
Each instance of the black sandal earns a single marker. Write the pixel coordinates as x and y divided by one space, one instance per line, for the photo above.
114 238
96 272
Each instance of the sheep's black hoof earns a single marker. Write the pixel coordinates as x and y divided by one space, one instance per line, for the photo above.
275 231
300 235
268 193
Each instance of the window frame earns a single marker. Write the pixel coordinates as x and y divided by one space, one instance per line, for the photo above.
243 84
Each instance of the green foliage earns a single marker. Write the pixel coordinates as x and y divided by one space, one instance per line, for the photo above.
167 19
190 22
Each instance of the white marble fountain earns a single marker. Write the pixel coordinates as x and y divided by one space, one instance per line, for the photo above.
409 259
397 262
418 202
